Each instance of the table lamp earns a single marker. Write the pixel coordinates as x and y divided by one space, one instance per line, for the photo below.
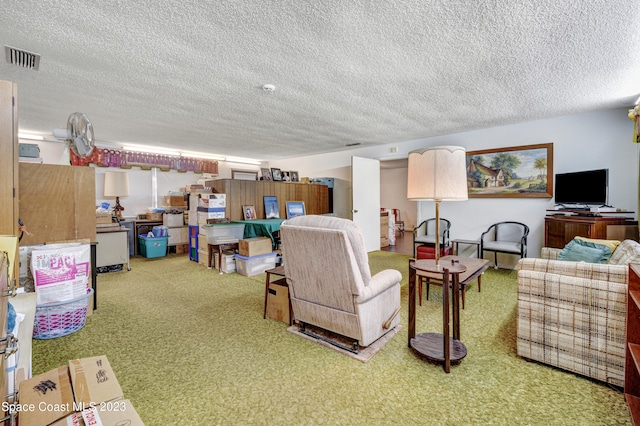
437 174
116 184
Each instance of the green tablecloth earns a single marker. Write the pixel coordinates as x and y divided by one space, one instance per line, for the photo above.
260 227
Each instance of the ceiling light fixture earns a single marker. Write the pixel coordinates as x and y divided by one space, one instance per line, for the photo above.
269 88
202 155
243 161
30 137
151 150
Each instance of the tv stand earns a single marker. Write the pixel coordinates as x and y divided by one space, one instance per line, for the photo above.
559 230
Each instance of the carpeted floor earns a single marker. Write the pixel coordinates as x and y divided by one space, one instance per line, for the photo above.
190 347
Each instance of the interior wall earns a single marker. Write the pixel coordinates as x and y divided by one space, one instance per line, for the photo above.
393 195
585 141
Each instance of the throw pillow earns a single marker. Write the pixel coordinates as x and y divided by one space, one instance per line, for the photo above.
585 251
627 252
612 244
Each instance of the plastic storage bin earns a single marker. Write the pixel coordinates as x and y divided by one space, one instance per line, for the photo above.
59 319
151 247
223 233
255 265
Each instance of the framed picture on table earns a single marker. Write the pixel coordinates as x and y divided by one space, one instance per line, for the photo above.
249 212
294 176
271 207
295 208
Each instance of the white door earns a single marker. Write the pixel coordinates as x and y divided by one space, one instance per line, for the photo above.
365 195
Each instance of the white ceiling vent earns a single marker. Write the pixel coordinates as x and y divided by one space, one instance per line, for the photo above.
22 58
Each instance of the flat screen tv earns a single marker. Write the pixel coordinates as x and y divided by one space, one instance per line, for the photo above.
586 187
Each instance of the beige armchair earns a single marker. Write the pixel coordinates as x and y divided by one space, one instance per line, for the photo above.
330 284
572 315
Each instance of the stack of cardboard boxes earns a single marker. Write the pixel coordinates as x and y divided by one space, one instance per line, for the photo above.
255 256
84 392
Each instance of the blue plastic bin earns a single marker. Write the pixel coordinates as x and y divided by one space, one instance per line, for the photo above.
151 247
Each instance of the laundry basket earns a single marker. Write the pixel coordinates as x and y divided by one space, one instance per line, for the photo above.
59 319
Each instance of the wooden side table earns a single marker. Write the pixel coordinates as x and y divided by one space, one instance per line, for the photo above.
454 244
434 346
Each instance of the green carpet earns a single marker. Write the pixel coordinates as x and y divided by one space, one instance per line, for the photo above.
190 347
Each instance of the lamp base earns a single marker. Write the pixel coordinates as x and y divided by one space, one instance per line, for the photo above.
117 209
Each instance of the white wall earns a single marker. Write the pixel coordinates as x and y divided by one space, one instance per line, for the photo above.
581 142
393 195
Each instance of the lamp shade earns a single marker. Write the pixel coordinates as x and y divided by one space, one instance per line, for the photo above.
116 184
438 173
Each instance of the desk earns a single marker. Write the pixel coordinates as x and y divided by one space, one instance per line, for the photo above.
261 227
434 346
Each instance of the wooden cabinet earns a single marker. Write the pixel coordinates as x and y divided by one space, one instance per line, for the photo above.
57 203
632 358
250 193
8 158
559 230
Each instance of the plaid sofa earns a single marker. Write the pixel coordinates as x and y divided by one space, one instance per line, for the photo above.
572 315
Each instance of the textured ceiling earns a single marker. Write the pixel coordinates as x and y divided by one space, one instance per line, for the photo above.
188 74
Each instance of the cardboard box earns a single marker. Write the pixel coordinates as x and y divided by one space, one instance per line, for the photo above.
254 246
203 257
103 218
278 301
94 381
154 216
114 413
228 262
175 200
46 398
205 213
213 200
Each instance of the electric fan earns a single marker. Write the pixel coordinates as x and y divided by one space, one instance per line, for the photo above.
78 135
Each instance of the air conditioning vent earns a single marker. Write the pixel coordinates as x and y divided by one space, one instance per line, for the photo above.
22 58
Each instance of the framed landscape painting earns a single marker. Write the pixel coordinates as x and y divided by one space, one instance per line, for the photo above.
515 172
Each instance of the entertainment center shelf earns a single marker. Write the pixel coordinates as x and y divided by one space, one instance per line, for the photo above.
560 229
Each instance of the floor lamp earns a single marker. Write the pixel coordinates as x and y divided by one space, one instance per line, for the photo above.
116 184
437 174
